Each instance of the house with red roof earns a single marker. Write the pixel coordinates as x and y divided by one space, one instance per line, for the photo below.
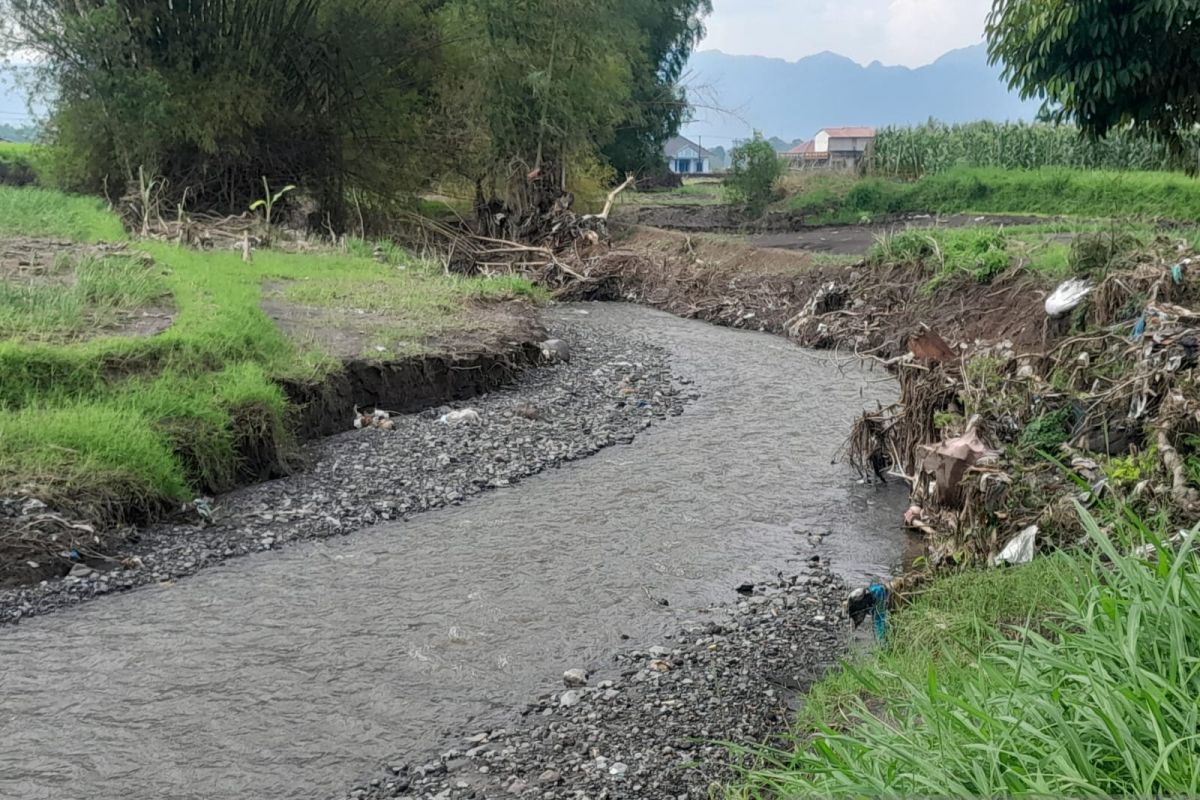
833 147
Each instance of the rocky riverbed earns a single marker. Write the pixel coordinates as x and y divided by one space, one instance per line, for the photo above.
614 387
653 725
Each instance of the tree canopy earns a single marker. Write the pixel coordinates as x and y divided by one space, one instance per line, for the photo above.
1103 64
375 98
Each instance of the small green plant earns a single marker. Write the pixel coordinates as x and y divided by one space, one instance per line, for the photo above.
268 201
1048 431
1128 471
754 170
947 420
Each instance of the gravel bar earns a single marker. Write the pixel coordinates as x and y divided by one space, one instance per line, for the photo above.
615 386
654 730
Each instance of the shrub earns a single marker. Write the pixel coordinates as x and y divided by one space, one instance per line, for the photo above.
753 172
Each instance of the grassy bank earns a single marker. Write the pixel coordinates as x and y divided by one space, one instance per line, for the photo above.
1087 194
1075 675
113 425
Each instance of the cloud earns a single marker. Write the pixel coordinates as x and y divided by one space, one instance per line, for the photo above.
909 32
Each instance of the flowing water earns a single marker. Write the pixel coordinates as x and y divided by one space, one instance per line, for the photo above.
293 674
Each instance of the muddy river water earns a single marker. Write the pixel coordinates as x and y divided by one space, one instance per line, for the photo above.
292 674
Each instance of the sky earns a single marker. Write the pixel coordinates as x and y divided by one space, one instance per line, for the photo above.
911 33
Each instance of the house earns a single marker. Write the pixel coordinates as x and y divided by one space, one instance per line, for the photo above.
685 157
832 147
802 155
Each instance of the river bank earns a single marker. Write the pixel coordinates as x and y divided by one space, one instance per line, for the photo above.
612 389
653 722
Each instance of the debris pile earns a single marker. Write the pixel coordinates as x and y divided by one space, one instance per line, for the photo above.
37 542
999 441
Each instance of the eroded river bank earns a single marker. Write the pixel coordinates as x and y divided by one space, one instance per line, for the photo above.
294 674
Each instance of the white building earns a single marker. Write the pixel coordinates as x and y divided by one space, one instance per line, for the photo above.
685 157
849 144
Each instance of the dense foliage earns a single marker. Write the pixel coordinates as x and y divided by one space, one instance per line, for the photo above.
658 104
754 169
911 152
352 99
1104 64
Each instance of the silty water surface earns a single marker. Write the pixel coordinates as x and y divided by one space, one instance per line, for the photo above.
294 674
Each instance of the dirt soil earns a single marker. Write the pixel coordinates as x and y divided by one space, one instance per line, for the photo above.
846 307
349 334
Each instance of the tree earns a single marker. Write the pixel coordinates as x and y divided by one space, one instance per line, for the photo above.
547 84
753 170
659 105
210 96
1103 64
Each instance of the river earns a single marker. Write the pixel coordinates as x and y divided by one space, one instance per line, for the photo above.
292 674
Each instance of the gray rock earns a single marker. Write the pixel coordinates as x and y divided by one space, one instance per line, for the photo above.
575 677
570 699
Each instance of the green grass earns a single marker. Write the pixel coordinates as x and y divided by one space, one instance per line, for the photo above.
978 254
86 298
1074 676
1136 195
116 427
27 211
819 195
702 193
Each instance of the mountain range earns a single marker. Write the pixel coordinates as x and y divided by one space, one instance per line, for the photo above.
792 100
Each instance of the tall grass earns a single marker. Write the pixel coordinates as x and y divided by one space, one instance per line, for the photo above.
1092 692
979 254
911 152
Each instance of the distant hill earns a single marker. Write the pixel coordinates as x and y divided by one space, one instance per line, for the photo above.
794 99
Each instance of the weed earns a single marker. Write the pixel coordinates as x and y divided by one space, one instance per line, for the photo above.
1048 431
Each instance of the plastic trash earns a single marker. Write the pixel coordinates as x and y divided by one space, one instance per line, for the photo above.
467 416
554 350
872 600
1021 549
1177 273
1068 296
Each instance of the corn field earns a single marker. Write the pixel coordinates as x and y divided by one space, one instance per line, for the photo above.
935 147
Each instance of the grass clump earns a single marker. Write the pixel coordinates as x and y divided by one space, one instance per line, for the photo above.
979 253
28 211
1075 675
92 296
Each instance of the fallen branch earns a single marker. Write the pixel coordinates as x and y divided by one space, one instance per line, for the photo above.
612 196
